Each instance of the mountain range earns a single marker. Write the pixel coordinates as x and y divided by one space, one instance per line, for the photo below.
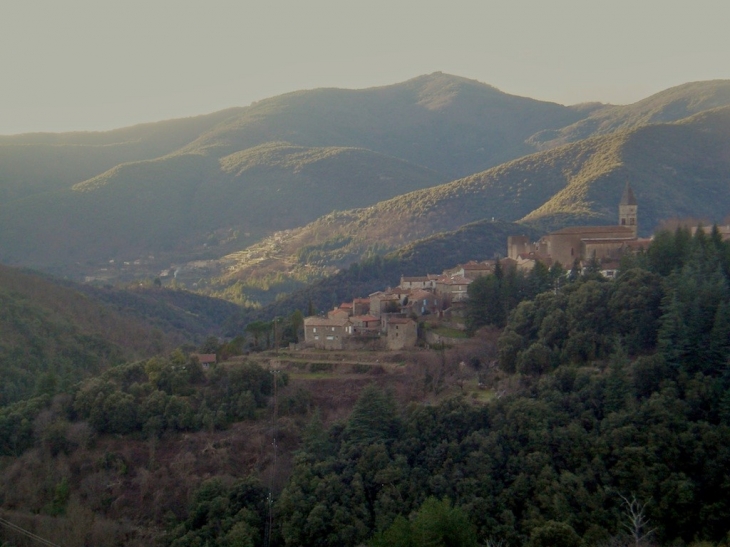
303 184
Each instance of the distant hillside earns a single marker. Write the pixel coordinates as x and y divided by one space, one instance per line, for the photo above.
161 195
53 334
669 105
44 162
181 315
452 125
183 186
676 170
187 204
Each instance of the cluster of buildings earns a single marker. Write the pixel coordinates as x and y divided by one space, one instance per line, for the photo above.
606 244
389 319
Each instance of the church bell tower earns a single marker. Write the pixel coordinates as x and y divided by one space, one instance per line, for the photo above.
627 210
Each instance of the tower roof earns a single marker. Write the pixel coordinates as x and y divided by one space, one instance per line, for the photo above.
628 197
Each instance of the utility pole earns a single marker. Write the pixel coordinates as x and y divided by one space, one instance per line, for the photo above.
275 370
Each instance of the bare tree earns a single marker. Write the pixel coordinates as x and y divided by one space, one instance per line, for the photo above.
636 522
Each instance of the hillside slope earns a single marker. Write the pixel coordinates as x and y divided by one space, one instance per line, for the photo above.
178 186
51 334
54 333
453 125
225 181
186 205
44 162
670 105
677 170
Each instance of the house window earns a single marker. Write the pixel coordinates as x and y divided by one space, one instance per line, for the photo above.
632 221
316 337
623 222
314 329
330 338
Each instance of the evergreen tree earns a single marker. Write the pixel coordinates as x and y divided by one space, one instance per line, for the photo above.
373 418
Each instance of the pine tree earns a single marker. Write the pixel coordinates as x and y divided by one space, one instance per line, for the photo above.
373 419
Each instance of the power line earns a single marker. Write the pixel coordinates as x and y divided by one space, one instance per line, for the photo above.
27 533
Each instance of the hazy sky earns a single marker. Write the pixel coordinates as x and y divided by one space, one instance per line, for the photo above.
99 64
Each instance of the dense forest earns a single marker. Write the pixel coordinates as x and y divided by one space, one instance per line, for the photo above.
618 422
609 425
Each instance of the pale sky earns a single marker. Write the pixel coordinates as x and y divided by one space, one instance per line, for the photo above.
99 64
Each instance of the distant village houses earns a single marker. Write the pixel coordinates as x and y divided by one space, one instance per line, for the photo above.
388 319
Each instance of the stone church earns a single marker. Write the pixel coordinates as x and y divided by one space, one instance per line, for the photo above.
605 243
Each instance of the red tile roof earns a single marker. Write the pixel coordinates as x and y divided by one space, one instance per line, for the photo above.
316 321
364 318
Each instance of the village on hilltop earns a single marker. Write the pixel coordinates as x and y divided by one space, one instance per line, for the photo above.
389 319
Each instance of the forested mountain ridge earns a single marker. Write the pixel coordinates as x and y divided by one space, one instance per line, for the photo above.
210 187
677 170
43 162
669 105
184 206
54 333
450 124
439 126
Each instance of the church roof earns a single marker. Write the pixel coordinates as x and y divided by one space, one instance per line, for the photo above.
595 230
628 197
590 240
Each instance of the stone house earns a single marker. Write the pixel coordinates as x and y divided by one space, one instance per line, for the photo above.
527 261
381 302
422 302
401 333
205 359
418 282
581 242
360 306
452 289
325 332
339 312
472 269
364 324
